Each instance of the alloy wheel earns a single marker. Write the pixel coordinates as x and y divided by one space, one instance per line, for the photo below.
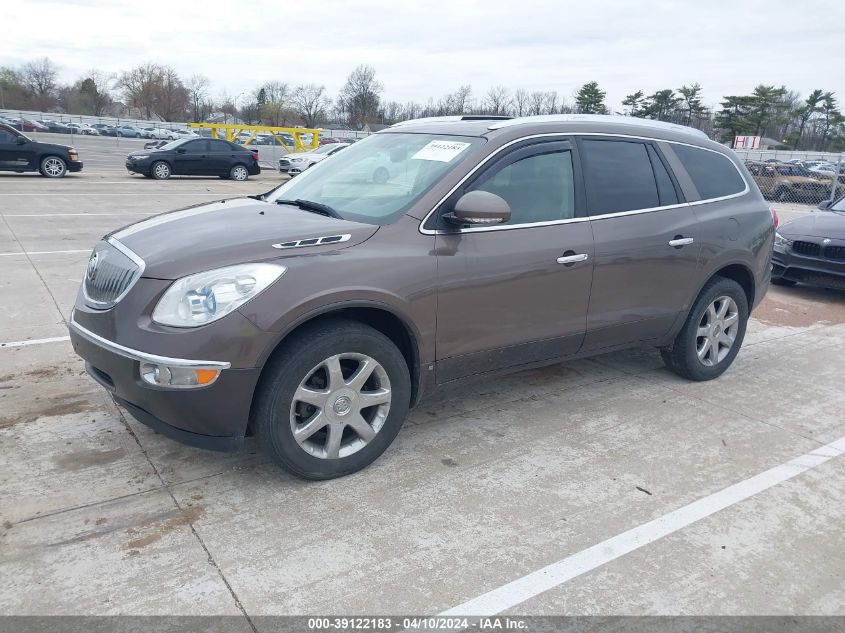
340 405
239 173
717 331
162 171
54 167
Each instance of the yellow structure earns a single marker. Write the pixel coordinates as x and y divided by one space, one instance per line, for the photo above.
231 132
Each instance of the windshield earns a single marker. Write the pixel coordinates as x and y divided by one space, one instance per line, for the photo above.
839 206
380 177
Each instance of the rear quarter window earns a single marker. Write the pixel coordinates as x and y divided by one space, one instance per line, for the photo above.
712 173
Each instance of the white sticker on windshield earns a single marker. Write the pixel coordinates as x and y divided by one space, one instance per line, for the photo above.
444 151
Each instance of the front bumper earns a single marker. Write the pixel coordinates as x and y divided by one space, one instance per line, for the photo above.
74 165
214 417
815 271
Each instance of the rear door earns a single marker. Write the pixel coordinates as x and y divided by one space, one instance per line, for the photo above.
515 293
645 242
222 156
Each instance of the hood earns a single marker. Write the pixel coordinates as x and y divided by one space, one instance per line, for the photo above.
208 236
819 224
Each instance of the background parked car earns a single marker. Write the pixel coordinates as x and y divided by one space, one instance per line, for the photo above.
787 182
195 157
130 131
104 129
179 133
83 128
55 126
293 164
19 153
28 125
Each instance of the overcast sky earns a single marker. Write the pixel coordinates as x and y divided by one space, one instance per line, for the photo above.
427 48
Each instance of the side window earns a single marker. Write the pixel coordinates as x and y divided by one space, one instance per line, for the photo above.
220 146
619 176
712 173
665 186
6 137
539 187
196 147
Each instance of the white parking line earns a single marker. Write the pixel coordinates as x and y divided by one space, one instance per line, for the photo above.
36 341
551 576
86 250
123 193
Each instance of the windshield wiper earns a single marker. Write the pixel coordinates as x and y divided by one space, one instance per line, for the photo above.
313 207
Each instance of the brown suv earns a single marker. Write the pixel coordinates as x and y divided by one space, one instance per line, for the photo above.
787 182
315 315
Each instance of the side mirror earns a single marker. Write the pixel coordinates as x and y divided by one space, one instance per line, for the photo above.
181 150
480 207
20 140
825 204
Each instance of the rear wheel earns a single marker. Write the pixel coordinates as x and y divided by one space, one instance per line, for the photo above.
333 401
783 194
712 334
239 172
53 167
160 170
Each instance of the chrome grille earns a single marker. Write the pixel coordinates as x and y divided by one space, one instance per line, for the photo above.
112 270
283 162
835 252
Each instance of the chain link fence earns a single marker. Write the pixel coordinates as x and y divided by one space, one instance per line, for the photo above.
803 177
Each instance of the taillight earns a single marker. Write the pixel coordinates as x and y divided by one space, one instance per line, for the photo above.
255 156
775 217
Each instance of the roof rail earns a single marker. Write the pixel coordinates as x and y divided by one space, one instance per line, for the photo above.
455 117
599 118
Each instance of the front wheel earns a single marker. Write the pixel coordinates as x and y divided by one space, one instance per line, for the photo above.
160 170
712 334
53 167
332 400
239 172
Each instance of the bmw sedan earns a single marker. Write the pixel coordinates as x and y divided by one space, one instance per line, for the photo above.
195 157
811 249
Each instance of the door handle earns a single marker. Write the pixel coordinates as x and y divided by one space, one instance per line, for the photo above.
680 241
572 259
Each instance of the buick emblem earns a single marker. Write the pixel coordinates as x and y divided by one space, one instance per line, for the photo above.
91 273
826 240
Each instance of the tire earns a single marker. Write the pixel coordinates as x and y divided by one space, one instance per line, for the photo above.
302 366
693 354
160 170
239 173
53 167
783 194
780 281
381 175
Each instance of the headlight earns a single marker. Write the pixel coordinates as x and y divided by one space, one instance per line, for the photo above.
205 297
140 156
780 240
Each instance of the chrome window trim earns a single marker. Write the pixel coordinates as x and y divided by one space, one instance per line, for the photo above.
604 216
144 357
140 263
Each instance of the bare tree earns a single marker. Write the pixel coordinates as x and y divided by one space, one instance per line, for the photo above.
198 97
537 102
140 87
359 98
521 101
276 108
497 100
550 102
171 100
310 103
39 78
460 100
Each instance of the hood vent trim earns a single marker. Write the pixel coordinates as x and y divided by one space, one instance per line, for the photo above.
314 241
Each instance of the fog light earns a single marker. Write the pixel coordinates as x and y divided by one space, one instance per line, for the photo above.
180 377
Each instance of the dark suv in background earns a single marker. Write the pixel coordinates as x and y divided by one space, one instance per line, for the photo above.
20 153
315 315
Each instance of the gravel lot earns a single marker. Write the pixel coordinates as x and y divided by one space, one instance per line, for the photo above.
482 488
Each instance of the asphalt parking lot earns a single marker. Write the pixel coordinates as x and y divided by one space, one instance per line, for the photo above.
603 486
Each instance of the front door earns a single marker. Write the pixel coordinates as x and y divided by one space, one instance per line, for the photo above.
13 155
194 160
516 293
646 252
